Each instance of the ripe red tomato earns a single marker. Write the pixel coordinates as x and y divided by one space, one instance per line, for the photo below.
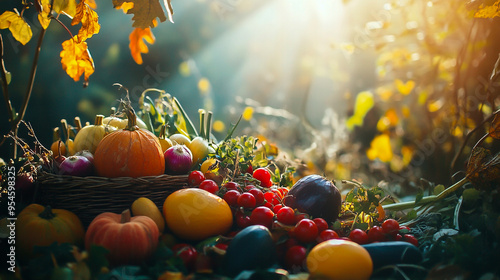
258 194
209 185
262 174
277 208
306 231
359 236
247 200
283 191
187 253
411 239
271 198
404 230
321 224
390 226
301 216
376 234
242 220
327 234
262 216
295 258
231 197
195 178
232 186
267 184
286 216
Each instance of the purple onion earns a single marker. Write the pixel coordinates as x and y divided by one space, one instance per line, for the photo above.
178 160
76 166
86 154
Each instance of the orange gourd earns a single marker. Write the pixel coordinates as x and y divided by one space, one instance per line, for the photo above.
131 152
129 240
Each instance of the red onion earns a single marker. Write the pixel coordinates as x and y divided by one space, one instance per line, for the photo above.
178 160
86 154
25 183
76 166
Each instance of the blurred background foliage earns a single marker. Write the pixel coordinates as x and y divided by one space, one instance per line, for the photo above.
378 90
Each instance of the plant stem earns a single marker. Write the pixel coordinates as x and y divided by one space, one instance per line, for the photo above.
19 118
4 82
427 199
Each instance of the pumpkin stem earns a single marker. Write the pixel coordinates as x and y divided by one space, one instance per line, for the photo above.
99 119
47 213
132 118
125 218
163 132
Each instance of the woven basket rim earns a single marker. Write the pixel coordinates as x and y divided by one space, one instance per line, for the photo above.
43 176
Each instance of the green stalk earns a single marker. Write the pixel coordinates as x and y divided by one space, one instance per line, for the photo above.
208 129
202 123
427 199
189 125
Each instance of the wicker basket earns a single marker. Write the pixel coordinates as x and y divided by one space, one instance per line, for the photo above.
89 196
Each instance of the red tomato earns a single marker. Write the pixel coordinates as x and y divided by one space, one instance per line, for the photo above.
210 186
359 236
232 186
295 258
376 234
306 231
258 194
262 174
247 200
411 239
390 226
321 224
242 220
286 216
327 234
262 216
187 253
195 178
231 197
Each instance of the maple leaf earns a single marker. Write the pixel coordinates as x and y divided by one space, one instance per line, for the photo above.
137 45
19 28
76 59
89 20
145 12
66 6
44 15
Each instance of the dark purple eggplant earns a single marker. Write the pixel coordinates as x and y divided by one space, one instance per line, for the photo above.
316 196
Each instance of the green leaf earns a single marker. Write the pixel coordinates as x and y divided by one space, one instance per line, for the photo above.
191 130
438 189
8 77
419 196
97 259
412 214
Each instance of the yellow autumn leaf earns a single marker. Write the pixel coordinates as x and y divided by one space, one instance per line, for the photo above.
488 11
92 4
16 24
125 6
248 113
44 16
407 153
88 18
204 86
364 103
404 88
76 59
434 106
380 148
66 6
137 45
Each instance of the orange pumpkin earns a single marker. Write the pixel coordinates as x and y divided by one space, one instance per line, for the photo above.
131 152
129 240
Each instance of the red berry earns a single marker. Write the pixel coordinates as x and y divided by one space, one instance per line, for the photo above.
390 226
327 234
249 187
232 186
262 216
210 186
195 178
247 200
376 234
283 191
359 236
286 216
249 169
398 237
242 220
411 239
295 258
306 231
269 205
262 175
321 223
258 194
231 197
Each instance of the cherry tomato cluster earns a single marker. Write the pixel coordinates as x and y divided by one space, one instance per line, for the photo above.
389 230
